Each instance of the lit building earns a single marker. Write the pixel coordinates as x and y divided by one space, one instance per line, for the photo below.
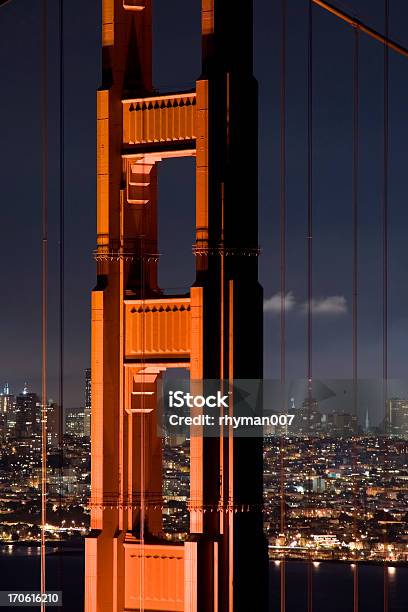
88 398
308 419
318 484
397 417
53 424
326 540
27 414
75 423
87 422
7 412
341 424
88 395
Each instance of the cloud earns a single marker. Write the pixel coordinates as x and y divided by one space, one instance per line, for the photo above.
274 303
332 305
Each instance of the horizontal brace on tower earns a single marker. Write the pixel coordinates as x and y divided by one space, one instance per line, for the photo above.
158 328
160 119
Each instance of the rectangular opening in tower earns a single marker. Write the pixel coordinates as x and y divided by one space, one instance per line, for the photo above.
176 44
176 214
176 473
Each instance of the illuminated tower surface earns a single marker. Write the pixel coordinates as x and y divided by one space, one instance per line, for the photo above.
138 332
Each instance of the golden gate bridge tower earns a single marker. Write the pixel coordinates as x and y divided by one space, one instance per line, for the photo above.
138 332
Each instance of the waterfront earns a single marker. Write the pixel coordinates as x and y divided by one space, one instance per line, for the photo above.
20 569
333 582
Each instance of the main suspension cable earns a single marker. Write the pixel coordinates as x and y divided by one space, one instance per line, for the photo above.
143 424
356 23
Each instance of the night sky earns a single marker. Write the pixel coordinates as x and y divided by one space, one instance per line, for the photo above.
177 65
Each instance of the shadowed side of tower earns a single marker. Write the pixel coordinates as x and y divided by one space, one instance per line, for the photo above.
227 270
137 332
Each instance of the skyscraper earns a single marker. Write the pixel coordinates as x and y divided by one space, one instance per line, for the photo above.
88 397
308 418
397 417
7 412
88 388
53 424
341 424
28 414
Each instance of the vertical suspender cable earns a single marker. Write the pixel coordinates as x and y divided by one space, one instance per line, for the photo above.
61 260
385 198
310 254
282 286
355 193
142 433
143 261
385 256
310 200
62 222
44 297
283 194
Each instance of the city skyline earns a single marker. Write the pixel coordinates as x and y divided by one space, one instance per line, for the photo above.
332 100
8 397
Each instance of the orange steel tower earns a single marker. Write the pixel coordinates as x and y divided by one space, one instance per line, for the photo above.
138 332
